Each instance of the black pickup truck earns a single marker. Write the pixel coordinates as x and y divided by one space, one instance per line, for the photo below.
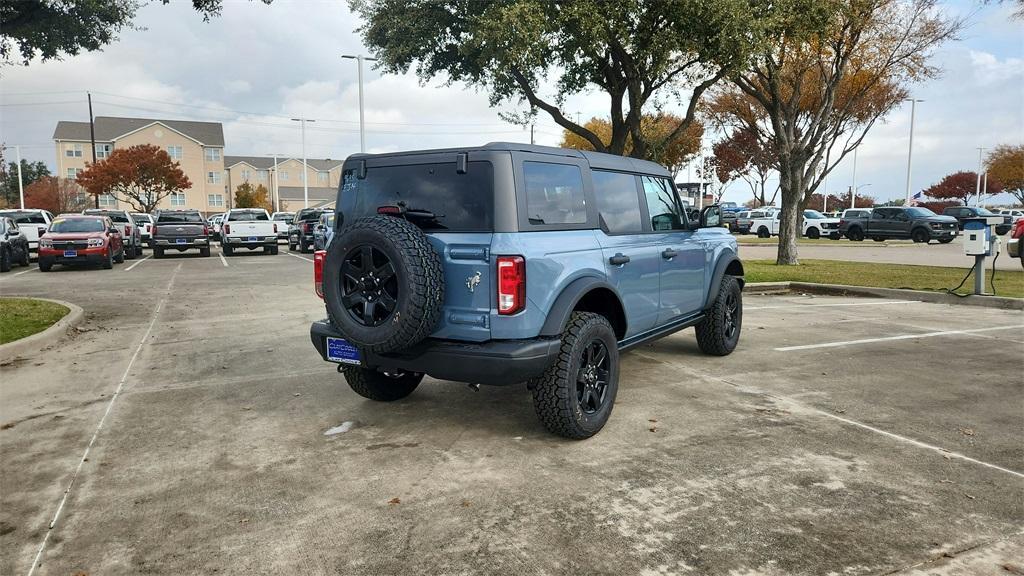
898 222
180 230
964 213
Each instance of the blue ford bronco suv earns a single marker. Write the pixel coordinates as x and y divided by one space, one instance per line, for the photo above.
512 263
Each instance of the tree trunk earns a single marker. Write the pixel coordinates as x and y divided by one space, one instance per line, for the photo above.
792 188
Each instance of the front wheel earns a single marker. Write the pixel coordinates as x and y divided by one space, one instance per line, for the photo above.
45 264
5 260
120 257
575 395
380 386
719 332
813 233
945 240
108 262
921 236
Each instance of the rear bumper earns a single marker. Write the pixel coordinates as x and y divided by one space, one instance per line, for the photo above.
246 243
1013 247
188 243
497 362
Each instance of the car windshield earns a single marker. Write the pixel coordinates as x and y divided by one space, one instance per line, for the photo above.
187 217
25 217
65 225
813 215
141 218
984 212
283 216
115 216
248 215
920 212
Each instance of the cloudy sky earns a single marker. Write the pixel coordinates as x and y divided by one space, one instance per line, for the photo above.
257 66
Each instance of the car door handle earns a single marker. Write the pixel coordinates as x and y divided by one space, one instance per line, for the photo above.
669 254
619 259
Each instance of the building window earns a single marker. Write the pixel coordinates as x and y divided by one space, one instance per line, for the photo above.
215 199
261 175
213 177
212 154
174 152
282 175
178 199
73 151
246 174
73 173
103 150
107 200
322 177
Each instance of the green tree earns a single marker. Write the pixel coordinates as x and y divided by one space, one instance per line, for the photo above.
51 29
642 55
30 172
672 154
247 196
835 68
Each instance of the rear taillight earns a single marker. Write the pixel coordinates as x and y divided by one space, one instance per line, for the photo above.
152 230
511 284
227 228
206 230
318 272
275 228
127 230
307 227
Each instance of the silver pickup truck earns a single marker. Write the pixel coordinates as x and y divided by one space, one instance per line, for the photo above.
180 230
249 228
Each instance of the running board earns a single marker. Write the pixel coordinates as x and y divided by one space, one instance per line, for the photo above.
671 327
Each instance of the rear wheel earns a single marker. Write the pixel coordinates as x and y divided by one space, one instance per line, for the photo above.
24 257
227 249
291 246
158 253
272 250
921 236
575 395
130 251
878 239
380 386
5 259
855 234
204 252
719 332
763 232
945 240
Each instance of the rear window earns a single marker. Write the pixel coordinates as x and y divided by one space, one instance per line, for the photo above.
441 198
178 217
307 216
247 215
283 217
64 225
25 217
142 218
554 193
115 216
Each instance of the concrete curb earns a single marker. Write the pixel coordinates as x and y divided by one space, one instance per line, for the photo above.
29 344
892 293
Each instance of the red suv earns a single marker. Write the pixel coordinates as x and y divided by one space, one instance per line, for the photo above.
79 239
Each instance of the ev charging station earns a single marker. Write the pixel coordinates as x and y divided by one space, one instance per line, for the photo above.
980 241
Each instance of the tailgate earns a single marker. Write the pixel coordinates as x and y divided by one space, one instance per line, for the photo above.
241 228
173 229
468 274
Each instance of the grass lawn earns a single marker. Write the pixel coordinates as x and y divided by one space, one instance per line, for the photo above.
935 278
20 317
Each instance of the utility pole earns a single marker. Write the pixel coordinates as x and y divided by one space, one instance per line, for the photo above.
910 149
853 187
359 58
305 167
977 188
21 187
92 141
275 191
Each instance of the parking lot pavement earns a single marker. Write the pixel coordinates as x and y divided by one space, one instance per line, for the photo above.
892 252
831 441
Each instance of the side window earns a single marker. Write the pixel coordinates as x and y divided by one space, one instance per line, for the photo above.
554 194
880 215
617 202
662 204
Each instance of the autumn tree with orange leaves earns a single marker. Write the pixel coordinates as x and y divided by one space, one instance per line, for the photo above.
834 68
662 147
141 175
58 195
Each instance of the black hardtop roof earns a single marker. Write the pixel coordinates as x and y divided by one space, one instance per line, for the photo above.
597 160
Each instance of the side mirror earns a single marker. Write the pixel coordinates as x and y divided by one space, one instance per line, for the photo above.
711 216
114 230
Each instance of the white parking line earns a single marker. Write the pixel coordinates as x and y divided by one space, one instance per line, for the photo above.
900 337
886 303
99 427
26 271
297 256
137 263
222 259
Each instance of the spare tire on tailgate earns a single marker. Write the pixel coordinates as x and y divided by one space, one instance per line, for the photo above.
383 284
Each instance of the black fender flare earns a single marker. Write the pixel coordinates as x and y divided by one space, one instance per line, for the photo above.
560 311
723 264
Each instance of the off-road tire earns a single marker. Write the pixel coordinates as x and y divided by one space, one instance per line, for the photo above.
712 337
920 236
855 234
205 252
420 281
554 391
813 233
108 262
5 260
763 232
379 386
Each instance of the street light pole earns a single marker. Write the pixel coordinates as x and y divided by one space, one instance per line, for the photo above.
21 186
910 148
977 188
853 187
305 167
359 58
274 190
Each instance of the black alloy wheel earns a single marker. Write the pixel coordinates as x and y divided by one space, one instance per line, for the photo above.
732 315
592 377
369 287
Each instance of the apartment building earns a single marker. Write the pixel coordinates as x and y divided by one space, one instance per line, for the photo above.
284 179
197 146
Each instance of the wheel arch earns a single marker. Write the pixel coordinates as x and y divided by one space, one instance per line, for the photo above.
728 263
588 294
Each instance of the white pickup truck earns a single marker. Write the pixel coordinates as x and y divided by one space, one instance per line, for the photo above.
816 225
249 228
32 223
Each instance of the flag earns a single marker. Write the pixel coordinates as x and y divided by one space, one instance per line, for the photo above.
916 198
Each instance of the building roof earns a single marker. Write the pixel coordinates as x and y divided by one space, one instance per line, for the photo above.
317 193
266 163
110 128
